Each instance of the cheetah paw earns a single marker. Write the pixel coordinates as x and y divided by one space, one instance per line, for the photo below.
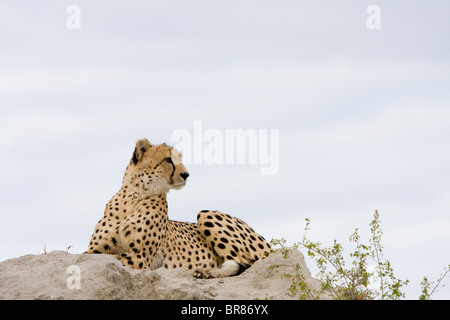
202 274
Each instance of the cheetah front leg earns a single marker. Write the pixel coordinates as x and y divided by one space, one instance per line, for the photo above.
141 235
227 269
133 260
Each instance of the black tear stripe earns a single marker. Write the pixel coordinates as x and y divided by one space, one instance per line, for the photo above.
173 170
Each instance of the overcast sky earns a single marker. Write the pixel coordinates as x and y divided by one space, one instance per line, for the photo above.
363 117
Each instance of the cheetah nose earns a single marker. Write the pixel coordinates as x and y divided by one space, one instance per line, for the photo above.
184 175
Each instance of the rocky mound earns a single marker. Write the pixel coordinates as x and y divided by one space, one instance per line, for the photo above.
61 275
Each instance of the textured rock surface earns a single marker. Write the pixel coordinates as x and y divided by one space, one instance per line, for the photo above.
61 275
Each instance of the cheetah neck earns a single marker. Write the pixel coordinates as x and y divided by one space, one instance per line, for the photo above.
127 199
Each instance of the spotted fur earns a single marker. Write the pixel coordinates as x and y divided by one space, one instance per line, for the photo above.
136 228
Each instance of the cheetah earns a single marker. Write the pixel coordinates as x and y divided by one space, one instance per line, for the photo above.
136 228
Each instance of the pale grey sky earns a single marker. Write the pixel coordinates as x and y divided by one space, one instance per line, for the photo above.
363 117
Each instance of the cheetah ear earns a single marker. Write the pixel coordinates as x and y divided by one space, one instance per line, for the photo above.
142 145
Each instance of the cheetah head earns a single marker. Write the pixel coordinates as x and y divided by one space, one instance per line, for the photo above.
155 169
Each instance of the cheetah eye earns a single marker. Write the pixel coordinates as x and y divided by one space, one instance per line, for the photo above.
168 160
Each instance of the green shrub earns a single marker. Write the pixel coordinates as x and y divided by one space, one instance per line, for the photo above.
354 281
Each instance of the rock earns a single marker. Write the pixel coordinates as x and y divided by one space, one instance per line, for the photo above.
61 275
